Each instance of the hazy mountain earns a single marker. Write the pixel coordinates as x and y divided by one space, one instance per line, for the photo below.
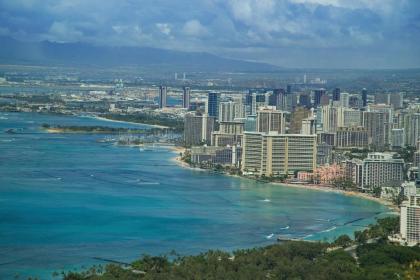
81 54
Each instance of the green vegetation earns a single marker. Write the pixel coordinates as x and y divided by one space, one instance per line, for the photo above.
406 153
343 241
343 183
377 191
355 153
289 260
380 231
104 129
148 118
186 157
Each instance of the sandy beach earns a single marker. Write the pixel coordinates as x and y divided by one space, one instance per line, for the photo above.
343 192
177 159
322 188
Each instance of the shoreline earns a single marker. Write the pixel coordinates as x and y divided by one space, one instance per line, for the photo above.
328 189
320 188
118 121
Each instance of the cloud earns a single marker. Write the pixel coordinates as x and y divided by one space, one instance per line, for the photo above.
265 30
64 32
164 28
194 28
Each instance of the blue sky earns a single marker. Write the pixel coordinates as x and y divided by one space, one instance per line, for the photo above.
290 33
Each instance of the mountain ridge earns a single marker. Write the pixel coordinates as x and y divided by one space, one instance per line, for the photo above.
82 54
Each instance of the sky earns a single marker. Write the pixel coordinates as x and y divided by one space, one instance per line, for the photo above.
288 33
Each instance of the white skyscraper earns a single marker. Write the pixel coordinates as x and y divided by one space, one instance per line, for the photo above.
410 219
227 111
344 99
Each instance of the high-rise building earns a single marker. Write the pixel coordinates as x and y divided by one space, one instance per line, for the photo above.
230 133
336 94
382 98
254 104
162 96
355 101
397 138
378 125
411 125
353 170
381 170
410 219
416 162
326 137
396 100
239 108
345 99
186 98
291 102
296 119
325 100
318 93
251 123
324 154
271 120
351 137
289 89
248 98
227 111
329 118
305 100
198 129
193 126
213 104
273 154
308 126
348 117
212 155
278 99
364 97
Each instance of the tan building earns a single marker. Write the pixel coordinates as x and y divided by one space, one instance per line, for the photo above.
278 154
230 133
271 120
348 117
297 117
198 129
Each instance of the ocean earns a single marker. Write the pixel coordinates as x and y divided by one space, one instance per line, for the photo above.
67 200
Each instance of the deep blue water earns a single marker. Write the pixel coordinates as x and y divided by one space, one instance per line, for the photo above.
66 199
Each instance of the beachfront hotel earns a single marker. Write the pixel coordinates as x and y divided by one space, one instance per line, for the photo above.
380 169
377 170
410 219
198 129
277 154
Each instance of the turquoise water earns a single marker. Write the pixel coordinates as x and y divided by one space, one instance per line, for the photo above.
66 199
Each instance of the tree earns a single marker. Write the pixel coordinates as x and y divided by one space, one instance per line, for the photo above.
377 191
398 199
413 271
343 183
343 241
360 236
